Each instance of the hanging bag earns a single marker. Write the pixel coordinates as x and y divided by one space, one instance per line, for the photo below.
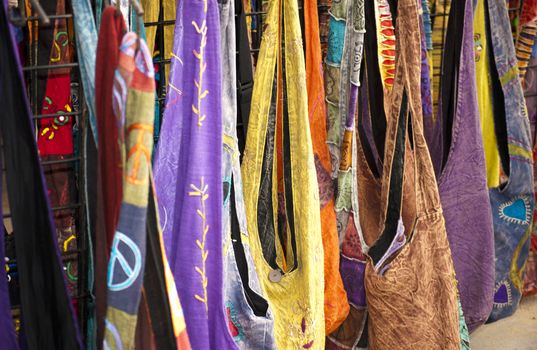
250 321
462 182
512 203
280 188
409 280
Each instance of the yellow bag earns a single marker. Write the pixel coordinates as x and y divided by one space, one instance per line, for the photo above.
280 186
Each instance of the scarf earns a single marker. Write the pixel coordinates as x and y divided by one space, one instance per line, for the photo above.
188 180
110 168
48 318
127 257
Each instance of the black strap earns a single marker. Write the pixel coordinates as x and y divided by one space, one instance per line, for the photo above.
257 303
450 68
374 81
155 283
245 79
395 198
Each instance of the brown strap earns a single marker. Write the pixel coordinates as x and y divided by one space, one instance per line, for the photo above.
407 82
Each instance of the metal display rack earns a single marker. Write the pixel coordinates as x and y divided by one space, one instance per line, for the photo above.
74 249
76 163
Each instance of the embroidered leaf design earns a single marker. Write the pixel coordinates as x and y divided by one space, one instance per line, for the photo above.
205 93
203 300
308 345
303 325
201 192
198 29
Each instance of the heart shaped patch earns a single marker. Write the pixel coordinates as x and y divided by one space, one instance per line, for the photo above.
502 294
516 211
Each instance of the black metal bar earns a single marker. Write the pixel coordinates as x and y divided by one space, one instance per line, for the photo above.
50 66
35 18
162 61
63 207
60 161
160 23
54 115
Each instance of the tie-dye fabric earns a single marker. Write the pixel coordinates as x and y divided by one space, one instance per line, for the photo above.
249 318
512 204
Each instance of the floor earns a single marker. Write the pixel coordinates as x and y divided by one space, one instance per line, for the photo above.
518 332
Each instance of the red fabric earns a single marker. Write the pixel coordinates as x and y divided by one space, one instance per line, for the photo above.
110 171
56 134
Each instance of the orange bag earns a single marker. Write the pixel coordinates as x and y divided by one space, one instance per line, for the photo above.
336 306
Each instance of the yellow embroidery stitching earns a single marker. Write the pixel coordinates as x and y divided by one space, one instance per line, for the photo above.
138 150
201 192
176 57
516 272
202 67
175 88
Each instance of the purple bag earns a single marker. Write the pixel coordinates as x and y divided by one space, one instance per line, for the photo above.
462 180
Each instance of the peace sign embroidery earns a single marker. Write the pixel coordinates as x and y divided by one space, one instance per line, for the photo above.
124 251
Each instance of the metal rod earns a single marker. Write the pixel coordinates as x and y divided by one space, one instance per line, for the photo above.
43 18
60 161
54 115
64 207
36 18
160 23
50 66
